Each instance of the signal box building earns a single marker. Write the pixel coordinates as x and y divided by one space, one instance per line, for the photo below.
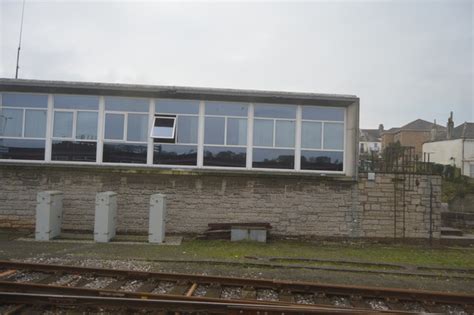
219 155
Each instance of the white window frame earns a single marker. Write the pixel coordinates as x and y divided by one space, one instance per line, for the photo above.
273 146
125 127
164 117
199 138
225 145
226 118
74 125
323 149
23 118
323 122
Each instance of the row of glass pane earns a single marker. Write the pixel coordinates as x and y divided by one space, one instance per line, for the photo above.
225 134
170 106
169 154
267 133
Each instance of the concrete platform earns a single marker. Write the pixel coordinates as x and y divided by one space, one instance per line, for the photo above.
449 231
118 239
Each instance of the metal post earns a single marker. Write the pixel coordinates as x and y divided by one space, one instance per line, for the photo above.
431 213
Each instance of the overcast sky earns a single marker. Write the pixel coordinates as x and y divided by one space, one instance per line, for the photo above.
404 59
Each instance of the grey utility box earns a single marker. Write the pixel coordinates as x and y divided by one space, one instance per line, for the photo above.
105 216
49 215
156 223
241 233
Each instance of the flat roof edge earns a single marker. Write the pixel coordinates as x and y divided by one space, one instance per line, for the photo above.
136 90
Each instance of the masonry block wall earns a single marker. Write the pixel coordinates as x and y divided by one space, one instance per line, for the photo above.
296 205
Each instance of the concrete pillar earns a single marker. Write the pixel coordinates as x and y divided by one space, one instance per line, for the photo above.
49 215
156 224
105 219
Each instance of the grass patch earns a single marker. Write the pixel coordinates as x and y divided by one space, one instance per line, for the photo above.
226 250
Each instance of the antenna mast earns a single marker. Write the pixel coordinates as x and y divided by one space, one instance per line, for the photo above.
19 42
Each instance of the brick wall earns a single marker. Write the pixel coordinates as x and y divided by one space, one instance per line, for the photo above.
297 205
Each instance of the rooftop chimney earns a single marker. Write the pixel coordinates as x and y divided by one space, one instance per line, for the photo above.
434 131
450 127
380 128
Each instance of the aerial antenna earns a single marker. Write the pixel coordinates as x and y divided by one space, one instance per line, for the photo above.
19 42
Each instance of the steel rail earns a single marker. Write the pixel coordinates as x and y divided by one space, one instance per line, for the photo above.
169 305
286 290
39 289
294 286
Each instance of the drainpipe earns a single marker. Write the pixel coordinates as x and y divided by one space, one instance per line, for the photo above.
431 213
462 156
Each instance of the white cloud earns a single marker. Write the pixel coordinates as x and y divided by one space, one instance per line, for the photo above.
405 60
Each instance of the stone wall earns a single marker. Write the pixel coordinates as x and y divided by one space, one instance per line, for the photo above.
296 205
387 211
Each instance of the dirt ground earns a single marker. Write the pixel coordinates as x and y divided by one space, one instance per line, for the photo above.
231 259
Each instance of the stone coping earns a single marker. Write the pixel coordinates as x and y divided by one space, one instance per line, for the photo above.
146 170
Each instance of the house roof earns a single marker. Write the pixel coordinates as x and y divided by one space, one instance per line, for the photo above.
370 135
421 125
160 91
464 131
417 125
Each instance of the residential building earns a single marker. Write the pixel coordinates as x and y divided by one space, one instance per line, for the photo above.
455 147
413 134
370 141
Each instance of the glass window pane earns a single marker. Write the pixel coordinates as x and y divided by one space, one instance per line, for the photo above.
114 124
125 153
311 135
35 123
285 133
86 126
76 102
236 131
164 128
79 151
20 149
25 100
322 160
170 106
62 124
263 133
226 108
137 128
275 111
225 156
323 113
334 136
126 104
187 129
11 122
171 154
214 130
273 158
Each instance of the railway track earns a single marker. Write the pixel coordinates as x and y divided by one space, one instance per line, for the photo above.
40 284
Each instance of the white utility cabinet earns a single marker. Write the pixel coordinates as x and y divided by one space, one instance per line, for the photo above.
105 219
49 215
157 216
